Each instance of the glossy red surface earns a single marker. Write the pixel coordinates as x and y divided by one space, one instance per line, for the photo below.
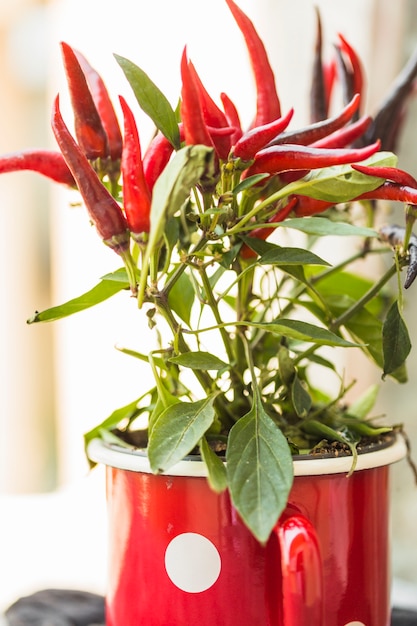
326 564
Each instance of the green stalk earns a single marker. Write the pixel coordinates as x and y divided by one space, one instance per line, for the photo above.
215 310
362 302
131 270
182 267
203 377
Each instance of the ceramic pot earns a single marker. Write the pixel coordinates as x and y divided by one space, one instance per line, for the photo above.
179 553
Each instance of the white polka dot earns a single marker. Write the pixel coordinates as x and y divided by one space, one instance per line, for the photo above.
355 624
192 562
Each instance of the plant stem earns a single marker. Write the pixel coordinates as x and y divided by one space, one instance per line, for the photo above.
181 268
367 297
215 310
203 377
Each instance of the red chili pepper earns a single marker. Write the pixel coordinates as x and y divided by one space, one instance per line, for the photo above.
255 139
232 117
329 72
246 251
136 194
89 130
392 191
213 116
288 157
314 132
307 206
46 162
159 152
195 128
268 106
156 158
104 107
392 174
103 209
345 136
356 71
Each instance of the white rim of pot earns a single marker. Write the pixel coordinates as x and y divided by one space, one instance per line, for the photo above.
137 461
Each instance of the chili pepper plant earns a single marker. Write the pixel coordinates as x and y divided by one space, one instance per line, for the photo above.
223 234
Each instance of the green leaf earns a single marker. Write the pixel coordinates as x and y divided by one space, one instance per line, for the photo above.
143 357
127 412
336 286
177 431
395 340
249 182
365 328
106 288
217 475
363 428
323 226
300 398
164 397
199 361
347 437
151 100
365 403
181 298
260 470
170 192
341 183
290 256
258 245
303 331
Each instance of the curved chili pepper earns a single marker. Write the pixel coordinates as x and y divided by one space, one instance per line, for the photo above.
103 209
255 139
314 132
329 72
345 136
392 191
391 110
46 162
156 158
393 174
104 107
213 116
195 128
136 194
268 106
288 157
344 74
307 206
246 251
232 117
318 97
355 63
89 130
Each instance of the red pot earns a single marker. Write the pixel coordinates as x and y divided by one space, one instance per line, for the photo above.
180 555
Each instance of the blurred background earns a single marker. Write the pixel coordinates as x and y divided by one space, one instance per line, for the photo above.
58 381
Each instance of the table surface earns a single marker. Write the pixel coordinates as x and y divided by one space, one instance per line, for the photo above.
68 607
